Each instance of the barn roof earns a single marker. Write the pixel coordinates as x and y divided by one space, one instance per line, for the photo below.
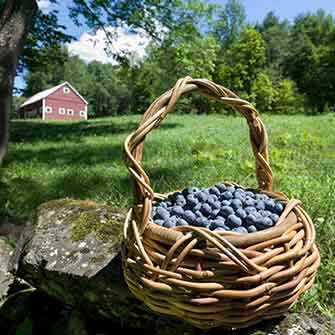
43 94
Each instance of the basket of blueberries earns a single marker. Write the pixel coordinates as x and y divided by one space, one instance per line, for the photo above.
218 208
220 256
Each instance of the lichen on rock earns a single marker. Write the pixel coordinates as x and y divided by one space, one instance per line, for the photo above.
75 236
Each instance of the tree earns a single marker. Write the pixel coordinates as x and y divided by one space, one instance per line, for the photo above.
310 62
46 37
276 36
15 20
230 22
262 92
244 59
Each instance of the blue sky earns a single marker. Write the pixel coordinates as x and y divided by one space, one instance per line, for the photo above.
255 10
288 9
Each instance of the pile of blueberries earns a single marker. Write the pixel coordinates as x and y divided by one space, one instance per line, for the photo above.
218 208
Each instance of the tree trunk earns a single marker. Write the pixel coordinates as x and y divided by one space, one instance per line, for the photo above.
15 20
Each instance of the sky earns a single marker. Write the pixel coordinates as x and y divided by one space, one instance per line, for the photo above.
90 47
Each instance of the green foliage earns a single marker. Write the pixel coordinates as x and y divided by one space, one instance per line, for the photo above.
197 57
310 62
262 93
43 45
286 98
276 36
243 61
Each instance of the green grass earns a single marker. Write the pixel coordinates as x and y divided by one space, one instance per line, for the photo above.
84 160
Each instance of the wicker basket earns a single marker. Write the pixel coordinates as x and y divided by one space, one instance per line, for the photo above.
207 278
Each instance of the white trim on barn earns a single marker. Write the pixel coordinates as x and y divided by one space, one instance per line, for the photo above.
43 109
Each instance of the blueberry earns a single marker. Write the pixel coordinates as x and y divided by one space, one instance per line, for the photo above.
181 222
250 210
221 187
231 189
260 205
197 207
252 229
267 222
216 205
250 194
169 223
278 208
227 195
240 212
249 202
234 221
225 203
260 223
162 204
274 218
177 210
214 190
180 201
191 201
261 196
239 196
240 230
217 223
270 205
162 213
215 212
198 214
159 222
250 220
236 203
202 196
211 200
189 216
201 222
206 209
226 211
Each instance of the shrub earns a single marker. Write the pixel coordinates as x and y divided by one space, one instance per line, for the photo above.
287 100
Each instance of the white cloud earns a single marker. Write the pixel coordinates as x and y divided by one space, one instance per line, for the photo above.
44 5
92 47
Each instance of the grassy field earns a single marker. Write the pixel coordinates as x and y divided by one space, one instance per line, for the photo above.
84 160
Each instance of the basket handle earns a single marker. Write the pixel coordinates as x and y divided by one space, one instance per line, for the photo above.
158 110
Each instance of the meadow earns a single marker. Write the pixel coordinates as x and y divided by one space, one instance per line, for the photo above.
84 160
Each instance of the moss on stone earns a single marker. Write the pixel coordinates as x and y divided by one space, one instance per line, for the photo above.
104 222
86 217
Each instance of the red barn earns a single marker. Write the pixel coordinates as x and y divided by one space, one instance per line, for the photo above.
62 102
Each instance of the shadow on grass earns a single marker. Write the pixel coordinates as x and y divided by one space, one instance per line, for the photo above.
21 195
73 155
32 131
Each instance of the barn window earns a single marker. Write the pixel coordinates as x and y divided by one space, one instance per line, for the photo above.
70 112
82 113
66 90
48 109
61 110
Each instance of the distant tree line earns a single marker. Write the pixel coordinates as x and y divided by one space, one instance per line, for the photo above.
281 67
